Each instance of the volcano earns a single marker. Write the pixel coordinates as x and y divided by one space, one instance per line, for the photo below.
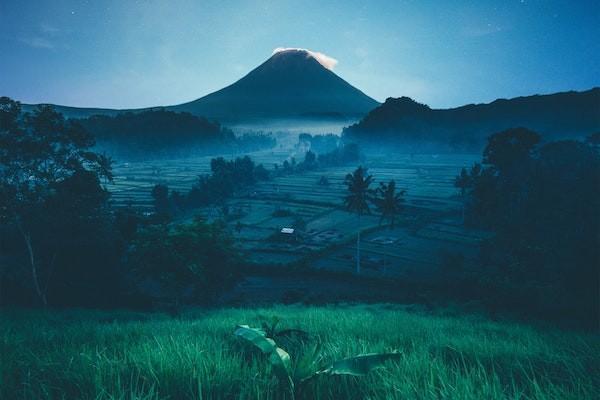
290 84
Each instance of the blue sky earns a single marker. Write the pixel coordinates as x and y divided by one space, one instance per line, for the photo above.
126 54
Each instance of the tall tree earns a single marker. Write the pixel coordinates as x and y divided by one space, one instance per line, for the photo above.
389 201
357 200
46 171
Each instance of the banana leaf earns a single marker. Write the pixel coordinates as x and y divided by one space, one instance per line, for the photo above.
256 337
279 358
359 365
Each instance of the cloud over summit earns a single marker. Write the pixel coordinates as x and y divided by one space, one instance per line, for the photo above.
325 60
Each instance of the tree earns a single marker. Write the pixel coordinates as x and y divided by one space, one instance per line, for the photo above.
160 194
357 200
462 181
541 203
186 263
510 150
465 181
310 160
48 178
389 202
261 173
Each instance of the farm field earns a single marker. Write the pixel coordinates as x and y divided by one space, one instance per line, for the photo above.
429 229
133 181
125 355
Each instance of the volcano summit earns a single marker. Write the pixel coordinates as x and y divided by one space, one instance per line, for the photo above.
292 83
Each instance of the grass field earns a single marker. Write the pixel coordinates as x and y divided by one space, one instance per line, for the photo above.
122 355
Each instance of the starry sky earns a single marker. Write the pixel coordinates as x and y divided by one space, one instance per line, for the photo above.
128 54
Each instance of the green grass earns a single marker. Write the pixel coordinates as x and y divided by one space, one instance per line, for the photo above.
123 355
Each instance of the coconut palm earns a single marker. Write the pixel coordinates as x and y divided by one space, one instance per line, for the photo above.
389 202
357 200
104 167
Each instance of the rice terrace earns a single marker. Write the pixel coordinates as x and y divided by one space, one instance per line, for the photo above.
434 218
299 200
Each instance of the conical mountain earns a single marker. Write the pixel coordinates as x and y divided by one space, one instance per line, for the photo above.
291 83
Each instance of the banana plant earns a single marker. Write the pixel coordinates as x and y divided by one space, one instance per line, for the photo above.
307 366
279 358
270 325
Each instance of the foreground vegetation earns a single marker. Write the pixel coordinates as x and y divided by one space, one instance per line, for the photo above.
122 355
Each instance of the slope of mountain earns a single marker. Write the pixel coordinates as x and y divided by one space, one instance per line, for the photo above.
404 121
290 84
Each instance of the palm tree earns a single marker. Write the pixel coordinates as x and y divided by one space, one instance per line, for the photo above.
388 202
357 200
104 167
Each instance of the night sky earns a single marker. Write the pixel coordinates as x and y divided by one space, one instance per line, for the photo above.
126 54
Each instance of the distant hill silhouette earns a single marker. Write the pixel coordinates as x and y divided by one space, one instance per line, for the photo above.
290 84
161 133
404 121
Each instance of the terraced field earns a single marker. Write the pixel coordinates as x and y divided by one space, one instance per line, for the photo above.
134 180
427 232
429 229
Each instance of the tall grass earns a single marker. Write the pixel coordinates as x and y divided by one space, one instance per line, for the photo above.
123 355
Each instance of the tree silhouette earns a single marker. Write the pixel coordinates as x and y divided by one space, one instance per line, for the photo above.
462 181
465 181
389 202
191 261
511 149
49 184
357 200
160 194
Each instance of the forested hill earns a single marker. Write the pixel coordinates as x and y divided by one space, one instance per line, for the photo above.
161 133
404 121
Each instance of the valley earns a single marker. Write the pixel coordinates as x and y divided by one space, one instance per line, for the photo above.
283 200
426 235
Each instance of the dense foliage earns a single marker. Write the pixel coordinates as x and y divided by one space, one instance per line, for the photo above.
342 154
225 179
185 263
162 133
54 212
542 202
63 244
